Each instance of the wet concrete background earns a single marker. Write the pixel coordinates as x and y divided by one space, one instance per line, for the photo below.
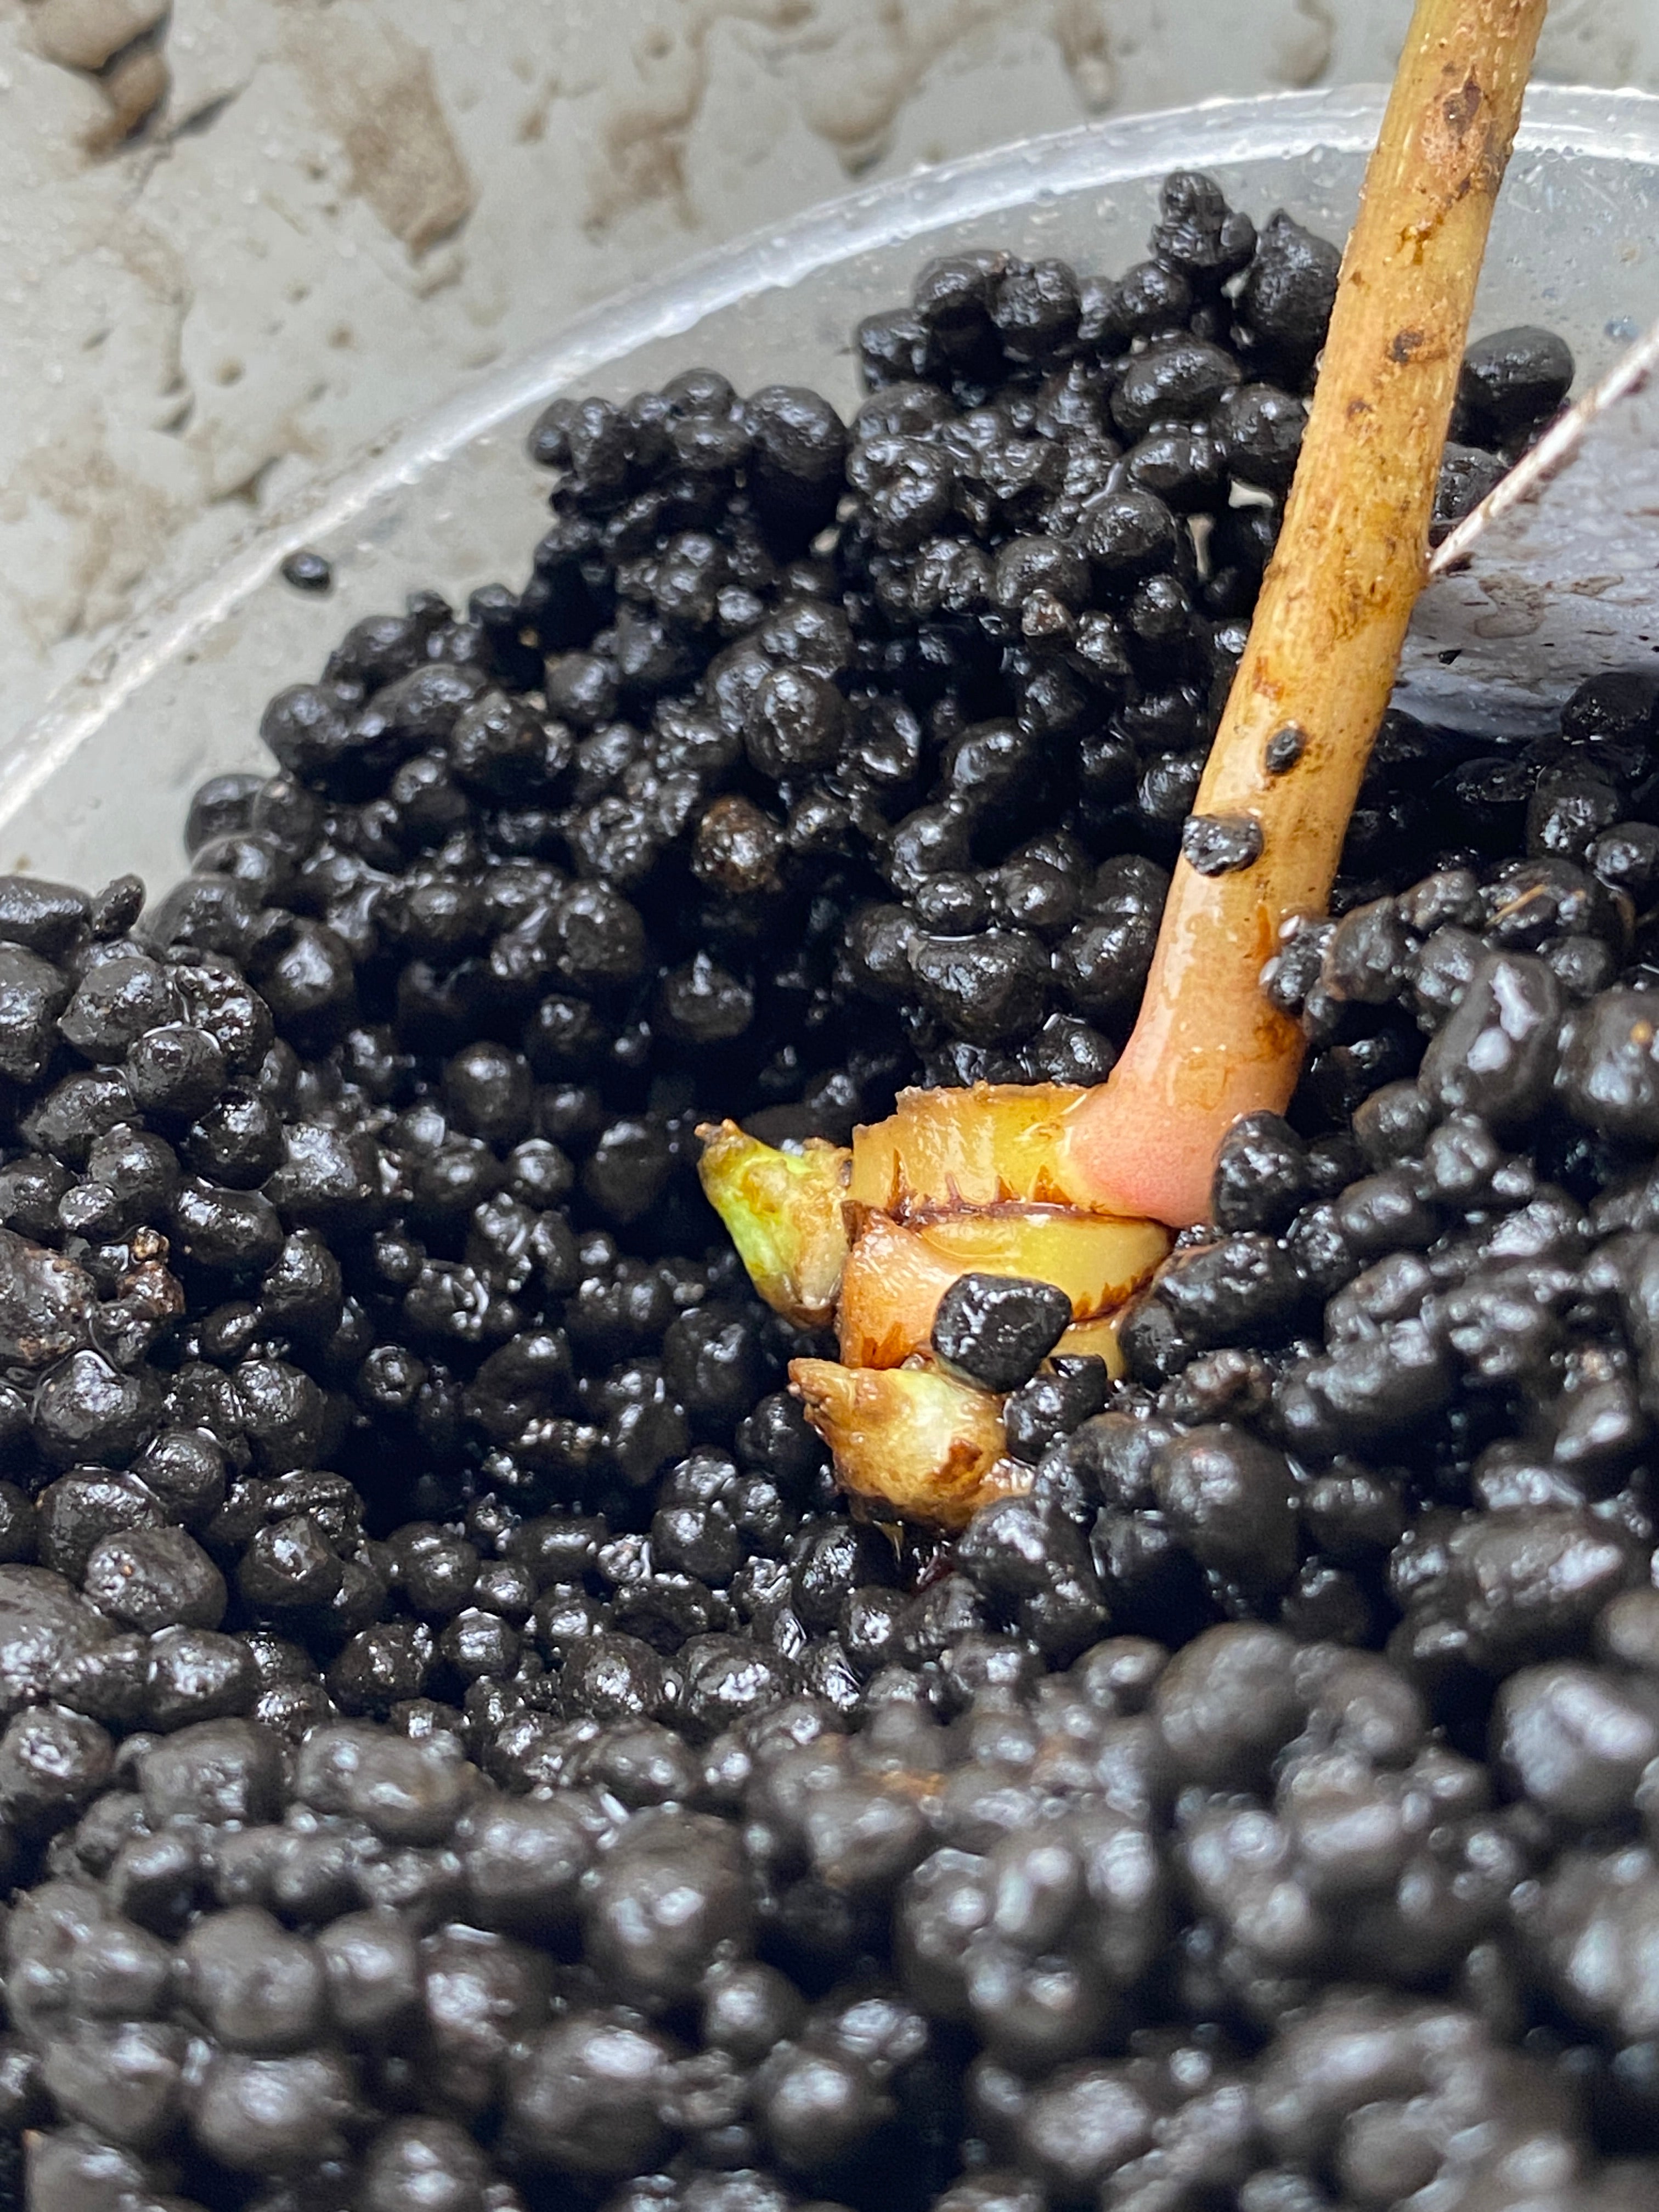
239 238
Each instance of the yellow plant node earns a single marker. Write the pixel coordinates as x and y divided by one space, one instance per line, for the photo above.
977 1147
1096 1259
897 1274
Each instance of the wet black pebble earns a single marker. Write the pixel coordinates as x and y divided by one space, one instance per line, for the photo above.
459 1753
308 572
995 1330
1514 378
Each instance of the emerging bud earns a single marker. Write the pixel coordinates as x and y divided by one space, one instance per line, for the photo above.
783 1212
925 1447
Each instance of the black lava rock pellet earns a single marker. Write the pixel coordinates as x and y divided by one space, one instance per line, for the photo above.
308 572
456 1753
995 1330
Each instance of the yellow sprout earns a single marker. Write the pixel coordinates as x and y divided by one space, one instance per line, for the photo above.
910 1439
783 1212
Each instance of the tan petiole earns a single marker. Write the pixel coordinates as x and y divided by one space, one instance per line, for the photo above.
1120 1161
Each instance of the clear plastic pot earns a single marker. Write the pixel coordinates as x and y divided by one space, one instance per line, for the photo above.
99 782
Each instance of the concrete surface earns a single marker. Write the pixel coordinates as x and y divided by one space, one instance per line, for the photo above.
239 238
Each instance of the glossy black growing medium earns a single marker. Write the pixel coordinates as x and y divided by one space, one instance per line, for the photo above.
456 1753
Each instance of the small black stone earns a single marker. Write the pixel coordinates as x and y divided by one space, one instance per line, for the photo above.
457 1750
1219 844
996 1330
1515 378
307 571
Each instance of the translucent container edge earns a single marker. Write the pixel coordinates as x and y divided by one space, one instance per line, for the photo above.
1610 125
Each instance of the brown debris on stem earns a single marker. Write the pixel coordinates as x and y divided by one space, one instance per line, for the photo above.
1316 675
